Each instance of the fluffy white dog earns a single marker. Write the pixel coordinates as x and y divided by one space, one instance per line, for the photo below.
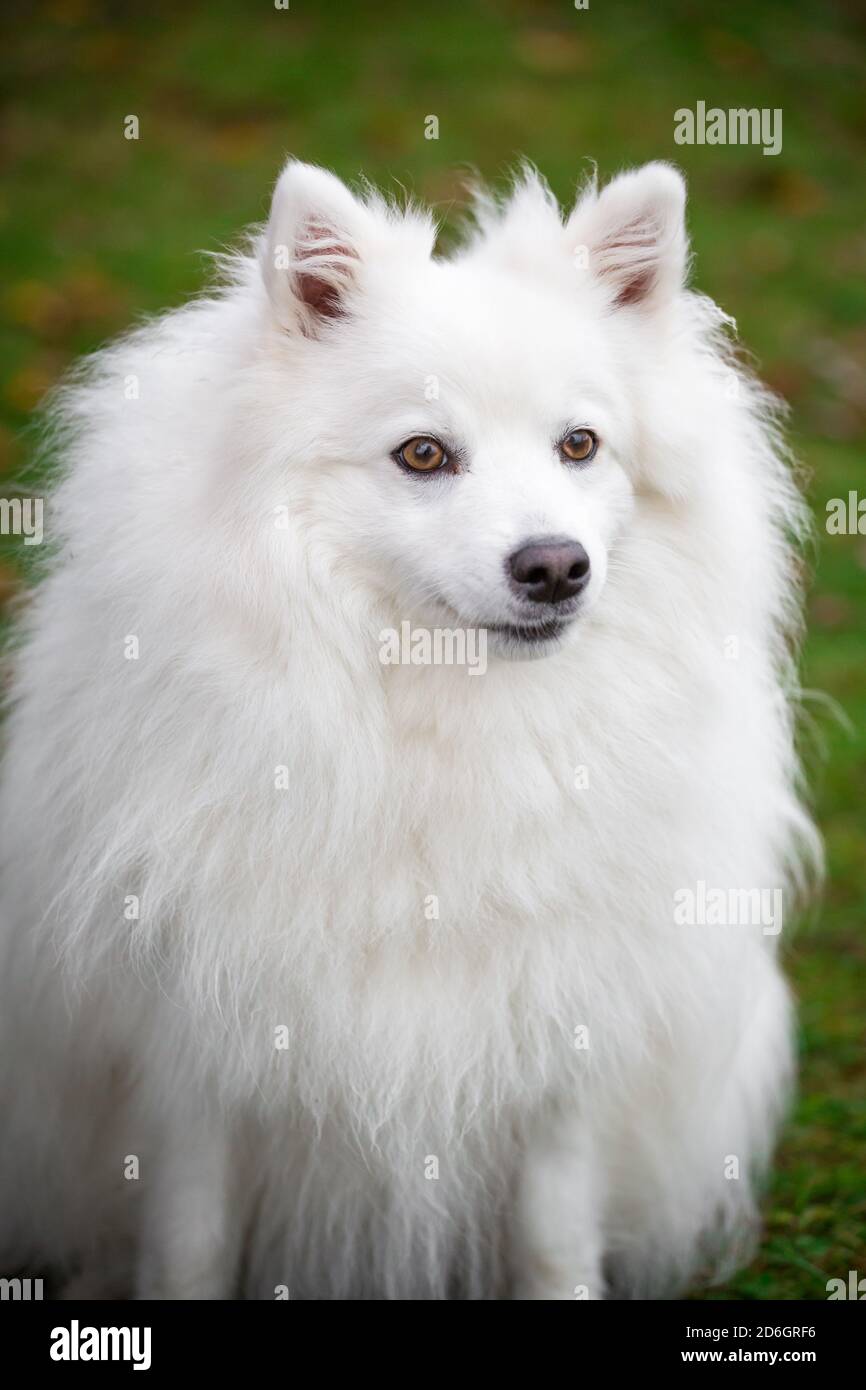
329 975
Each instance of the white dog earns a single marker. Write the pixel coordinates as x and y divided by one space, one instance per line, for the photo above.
326 975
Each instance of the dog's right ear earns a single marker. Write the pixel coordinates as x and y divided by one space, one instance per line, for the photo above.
312 248
635 236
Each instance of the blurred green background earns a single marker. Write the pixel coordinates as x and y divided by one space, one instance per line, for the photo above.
96 230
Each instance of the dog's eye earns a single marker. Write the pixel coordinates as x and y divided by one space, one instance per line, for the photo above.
578 446
422 454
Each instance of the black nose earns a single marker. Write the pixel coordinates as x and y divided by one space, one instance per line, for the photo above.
549 570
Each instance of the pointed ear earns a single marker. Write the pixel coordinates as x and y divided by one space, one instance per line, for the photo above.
312 247
635 236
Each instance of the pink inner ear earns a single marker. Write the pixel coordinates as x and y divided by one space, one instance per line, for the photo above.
637 288
631 256
321 286
318 294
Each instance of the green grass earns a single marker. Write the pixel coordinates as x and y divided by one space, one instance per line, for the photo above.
95 230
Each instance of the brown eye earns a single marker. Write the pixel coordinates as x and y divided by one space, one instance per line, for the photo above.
579 445
422 454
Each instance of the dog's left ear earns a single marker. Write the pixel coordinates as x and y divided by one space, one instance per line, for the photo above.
311 252
633 236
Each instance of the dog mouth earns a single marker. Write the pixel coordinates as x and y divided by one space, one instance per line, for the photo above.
529 634
535 637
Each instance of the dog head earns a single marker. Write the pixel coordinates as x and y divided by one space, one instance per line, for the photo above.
465 427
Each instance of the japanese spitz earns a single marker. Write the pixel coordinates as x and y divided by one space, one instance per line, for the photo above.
331 971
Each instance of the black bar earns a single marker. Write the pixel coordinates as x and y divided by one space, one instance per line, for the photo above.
242 1338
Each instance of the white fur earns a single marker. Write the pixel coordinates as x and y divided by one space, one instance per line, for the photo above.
599 1169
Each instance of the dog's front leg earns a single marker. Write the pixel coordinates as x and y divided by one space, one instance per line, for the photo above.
190 1235
558 1243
